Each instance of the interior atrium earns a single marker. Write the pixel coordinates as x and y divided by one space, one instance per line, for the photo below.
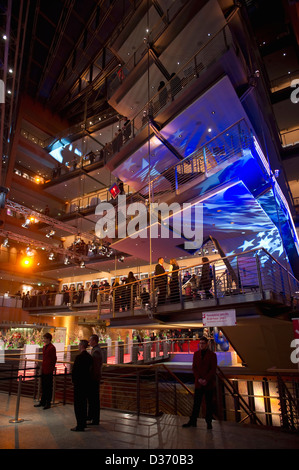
112 108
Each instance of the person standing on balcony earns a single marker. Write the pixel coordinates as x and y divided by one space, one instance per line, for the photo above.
93 292
47 369
204 370
205 282
174 286
161 281
93 415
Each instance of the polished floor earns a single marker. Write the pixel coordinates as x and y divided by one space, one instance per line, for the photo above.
50 429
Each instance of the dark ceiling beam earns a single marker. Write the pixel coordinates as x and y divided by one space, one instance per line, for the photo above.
76 46
58 36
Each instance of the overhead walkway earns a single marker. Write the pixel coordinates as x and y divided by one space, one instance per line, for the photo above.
261 291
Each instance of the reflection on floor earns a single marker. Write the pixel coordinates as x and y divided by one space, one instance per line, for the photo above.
50 429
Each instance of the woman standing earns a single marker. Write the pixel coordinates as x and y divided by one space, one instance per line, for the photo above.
206 278
174 286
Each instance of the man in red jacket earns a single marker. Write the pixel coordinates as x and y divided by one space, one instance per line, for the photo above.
47 369
204 370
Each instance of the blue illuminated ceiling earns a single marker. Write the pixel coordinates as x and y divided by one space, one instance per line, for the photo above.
187 132
232 216
249 214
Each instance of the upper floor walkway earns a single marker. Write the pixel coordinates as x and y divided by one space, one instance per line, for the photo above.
251 278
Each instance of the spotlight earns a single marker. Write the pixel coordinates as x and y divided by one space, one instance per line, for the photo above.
26 223
5 243
26 262
51 233
82 264
51 256
67 260
92 247
103 250
29 252
121 259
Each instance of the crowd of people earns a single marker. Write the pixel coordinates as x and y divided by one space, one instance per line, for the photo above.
169 286
124 292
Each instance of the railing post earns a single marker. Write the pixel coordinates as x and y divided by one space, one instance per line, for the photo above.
215 284
64 385
99 305
138 393
16 418
205 160
283 404
54 386
180 290
113 302
132 300
176 179
157 391
11 378
259 275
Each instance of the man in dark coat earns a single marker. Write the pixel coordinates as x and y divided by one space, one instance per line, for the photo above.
47 369
204 370
94 394
81 378
161 281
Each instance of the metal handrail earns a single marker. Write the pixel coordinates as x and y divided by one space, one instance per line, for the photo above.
281 282
235 394
202 153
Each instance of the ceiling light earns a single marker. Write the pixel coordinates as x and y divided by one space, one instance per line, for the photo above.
29 252
26 223
67 260
5 243
51 256
51 233
82 264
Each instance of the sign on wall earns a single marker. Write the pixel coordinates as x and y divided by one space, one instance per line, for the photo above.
219 318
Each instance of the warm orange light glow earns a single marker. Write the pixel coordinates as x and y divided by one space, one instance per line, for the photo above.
26 262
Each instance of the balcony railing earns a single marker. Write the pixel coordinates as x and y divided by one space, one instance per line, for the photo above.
155 389
156 30
247 277
290 138
192 70
202 163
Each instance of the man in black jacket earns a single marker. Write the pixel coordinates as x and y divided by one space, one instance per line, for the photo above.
161 281
94 395
81 377
204 370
